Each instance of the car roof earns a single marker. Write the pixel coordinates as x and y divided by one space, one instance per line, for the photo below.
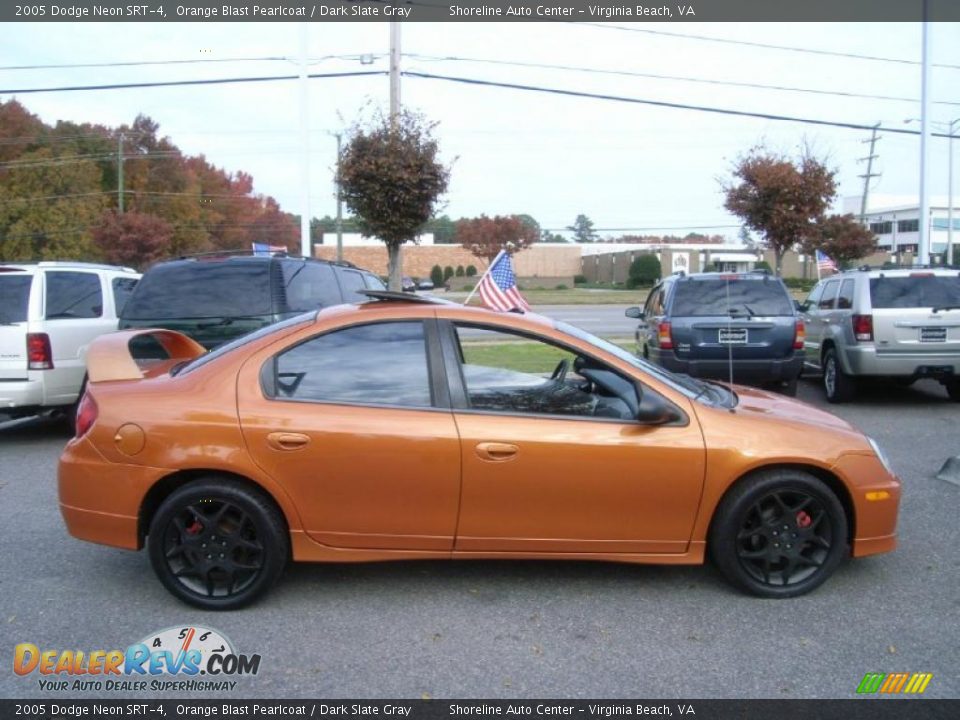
902 271
67 265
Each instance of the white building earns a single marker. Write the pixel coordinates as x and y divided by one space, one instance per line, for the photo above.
358 240
896 222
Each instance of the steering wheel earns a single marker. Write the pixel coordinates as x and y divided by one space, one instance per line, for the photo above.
560 372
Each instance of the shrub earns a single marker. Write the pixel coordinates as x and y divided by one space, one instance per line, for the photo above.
762 265
579 279
459 272
561 286
436 276
447 273
644 270
471 271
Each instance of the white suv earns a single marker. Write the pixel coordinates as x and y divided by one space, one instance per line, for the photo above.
49 313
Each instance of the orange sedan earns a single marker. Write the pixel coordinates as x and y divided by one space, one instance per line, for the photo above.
414 429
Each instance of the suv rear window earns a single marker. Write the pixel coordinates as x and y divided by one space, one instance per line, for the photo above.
915 291
14 296
73 295
736 296
201 289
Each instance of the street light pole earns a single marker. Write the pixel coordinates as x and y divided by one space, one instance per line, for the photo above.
949 260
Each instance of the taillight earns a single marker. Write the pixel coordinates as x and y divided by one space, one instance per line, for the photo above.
39 355
86 414
799 335
863 328
664 336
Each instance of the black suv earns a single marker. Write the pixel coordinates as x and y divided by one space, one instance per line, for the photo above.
218 297
714 324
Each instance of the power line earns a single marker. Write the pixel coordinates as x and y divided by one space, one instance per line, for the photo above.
73 159
656 76
195 61
180 83
648 229
660 103
766 46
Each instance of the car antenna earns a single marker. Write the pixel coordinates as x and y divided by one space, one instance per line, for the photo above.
729 332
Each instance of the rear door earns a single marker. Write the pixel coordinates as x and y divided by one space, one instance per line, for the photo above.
15 285
813 321
904 320
750 318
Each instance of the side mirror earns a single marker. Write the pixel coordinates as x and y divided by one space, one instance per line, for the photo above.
634 312
800 306
654 410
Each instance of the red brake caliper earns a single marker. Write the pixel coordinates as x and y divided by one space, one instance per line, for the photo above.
803 520
195 528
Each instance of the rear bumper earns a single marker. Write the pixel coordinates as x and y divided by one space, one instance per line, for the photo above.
743 370
865 360
21 394
100 501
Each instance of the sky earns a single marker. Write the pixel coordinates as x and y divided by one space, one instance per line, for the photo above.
631 168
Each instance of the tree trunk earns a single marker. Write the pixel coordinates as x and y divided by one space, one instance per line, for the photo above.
778 261
394 267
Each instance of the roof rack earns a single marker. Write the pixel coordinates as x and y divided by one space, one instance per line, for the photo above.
394 296
71 263
905 267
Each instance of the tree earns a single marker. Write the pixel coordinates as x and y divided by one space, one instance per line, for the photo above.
447 273
552 237
582 230
842 238
134 239
762 265
471 270
436 275
391 178
644 271
485 237
459 272
779 199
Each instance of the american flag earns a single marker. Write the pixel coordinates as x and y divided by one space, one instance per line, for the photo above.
265 249
498 287
825 263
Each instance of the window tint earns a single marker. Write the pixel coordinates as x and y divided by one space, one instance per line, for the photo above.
829 294
381 364
373 282
14 296
509 373
845 298
351 282
122 290
735 296
73 295
814 297
202 289
915 291
309 285
654 304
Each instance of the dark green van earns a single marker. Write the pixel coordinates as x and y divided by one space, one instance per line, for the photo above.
216 298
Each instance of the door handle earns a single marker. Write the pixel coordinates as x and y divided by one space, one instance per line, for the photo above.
496 452
287 441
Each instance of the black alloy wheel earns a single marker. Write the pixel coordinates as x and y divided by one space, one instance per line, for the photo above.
217 545
780 533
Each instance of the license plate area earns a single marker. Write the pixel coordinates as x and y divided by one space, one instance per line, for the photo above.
933 334
732 336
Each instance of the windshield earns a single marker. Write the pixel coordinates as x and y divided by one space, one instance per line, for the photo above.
14 295
734 296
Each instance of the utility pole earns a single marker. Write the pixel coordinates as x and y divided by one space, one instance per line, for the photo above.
120 173
923 256
949 259
869 174
339 204
396 277
305 245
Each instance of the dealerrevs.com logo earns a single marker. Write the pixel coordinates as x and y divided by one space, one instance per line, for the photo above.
178 659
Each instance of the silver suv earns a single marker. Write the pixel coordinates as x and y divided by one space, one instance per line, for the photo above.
899 323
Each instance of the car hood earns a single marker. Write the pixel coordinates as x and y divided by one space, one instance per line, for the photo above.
758 403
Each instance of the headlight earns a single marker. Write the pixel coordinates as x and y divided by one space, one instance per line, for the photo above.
881 455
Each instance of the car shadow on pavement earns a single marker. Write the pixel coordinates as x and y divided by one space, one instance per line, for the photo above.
885 392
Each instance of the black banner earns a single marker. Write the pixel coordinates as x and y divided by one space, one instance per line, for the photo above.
859 709
484 11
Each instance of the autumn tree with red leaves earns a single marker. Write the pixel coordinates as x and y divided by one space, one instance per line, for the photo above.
842 238
485 237
133 239
781 200
391 178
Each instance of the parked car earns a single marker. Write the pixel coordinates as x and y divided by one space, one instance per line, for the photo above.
408 284
217 297
49 314
902 324
401 429
741 327
425 285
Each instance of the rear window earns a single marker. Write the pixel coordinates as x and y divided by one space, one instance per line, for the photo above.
915 291
72 295
14 296
201 289
734 296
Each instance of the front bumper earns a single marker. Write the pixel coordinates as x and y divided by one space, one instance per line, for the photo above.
875 499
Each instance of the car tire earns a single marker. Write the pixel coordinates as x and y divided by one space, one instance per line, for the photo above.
953 390
778 534
218 545
838 386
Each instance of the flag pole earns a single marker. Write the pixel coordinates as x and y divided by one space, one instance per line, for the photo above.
483 276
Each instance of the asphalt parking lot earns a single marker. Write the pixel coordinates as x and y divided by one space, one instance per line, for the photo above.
519 629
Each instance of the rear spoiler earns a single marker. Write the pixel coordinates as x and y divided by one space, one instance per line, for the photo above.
109 358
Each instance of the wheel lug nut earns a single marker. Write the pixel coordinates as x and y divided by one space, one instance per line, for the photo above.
775 533
776 545
786 527
221 556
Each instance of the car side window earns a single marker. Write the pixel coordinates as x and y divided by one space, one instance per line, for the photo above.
309 285
378 364
845 298
654 305
122 290
505 372
351 282
813 298
73 295
829 295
